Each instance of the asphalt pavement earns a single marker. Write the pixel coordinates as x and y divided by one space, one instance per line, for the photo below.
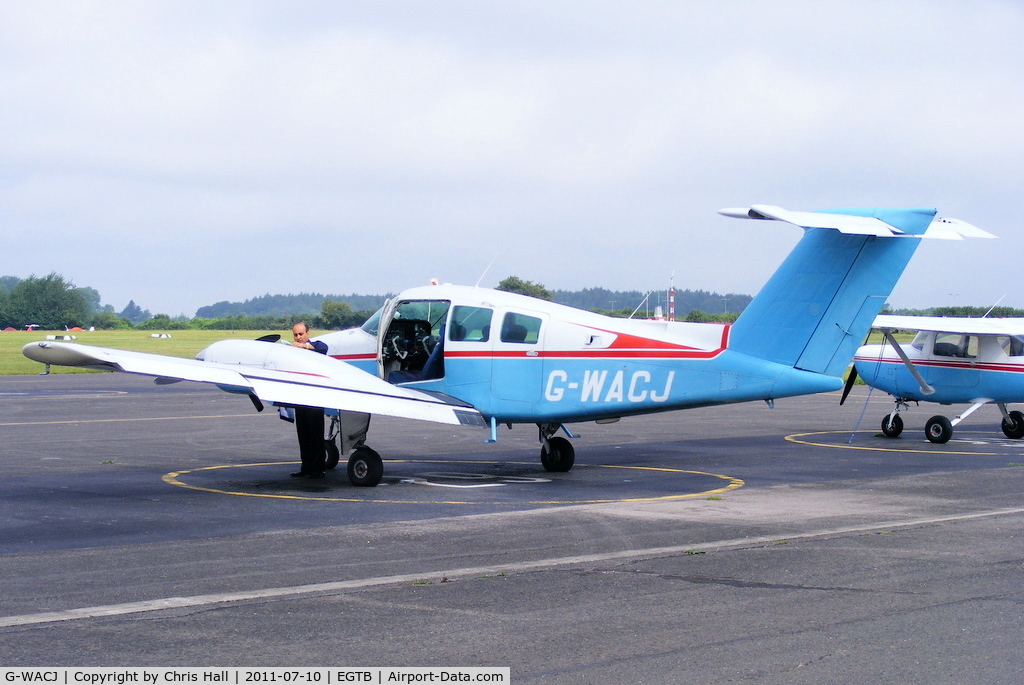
145 525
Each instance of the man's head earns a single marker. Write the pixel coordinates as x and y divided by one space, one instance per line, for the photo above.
300 333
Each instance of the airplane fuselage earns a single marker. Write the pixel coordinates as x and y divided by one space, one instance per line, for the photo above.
960 368
571 365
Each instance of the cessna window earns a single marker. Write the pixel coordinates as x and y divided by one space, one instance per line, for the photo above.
520 328
1012 345
955 345
470 324
413 334
919 340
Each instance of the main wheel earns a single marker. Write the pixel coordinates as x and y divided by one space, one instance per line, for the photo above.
938 429
892 426
332 454
365 468
1014 428
558 455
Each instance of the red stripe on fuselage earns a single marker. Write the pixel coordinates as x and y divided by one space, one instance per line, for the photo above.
632 347
965 365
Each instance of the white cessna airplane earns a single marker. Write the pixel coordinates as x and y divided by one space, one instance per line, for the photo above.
480 357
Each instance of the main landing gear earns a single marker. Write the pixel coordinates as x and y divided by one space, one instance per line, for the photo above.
939 429
365 467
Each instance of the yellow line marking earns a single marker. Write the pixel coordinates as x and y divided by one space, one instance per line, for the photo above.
175 478
794 436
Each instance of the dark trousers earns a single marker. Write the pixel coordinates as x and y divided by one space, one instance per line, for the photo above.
309 425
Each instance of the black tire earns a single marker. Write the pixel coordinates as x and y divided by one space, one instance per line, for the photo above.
1014 428
333 456
938 430
892 427
365 468
558 455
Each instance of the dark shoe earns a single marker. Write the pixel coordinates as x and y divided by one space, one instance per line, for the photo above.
299 474
318 474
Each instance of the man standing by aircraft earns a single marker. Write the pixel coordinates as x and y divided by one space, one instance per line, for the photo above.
309 421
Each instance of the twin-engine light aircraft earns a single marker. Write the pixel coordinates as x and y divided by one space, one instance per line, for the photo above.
974 361
472 356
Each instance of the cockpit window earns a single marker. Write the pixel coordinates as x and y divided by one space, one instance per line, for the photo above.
520 328
919 340
470 324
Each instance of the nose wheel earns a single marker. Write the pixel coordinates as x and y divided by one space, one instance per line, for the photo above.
892 425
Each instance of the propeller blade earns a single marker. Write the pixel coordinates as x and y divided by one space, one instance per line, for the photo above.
849 384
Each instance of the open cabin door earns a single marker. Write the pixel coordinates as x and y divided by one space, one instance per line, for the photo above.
410 330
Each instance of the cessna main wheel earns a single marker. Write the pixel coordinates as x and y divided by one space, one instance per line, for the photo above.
557 455
938 429
1014 428
365 468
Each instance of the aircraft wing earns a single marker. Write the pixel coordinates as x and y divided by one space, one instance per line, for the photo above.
318 381
950 324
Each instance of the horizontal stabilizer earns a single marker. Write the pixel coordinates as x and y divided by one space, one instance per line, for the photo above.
855 222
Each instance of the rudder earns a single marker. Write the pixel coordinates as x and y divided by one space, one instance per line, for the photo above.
817 307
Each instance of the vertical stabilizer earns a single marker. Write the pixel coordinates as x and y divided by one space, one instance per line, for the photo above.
818 306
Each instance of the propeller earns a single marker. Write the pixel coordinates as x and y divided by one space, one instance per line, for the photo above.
850 381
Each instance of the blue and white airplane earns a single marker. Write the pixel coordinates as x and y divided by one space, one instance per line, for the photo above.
974 361
473 356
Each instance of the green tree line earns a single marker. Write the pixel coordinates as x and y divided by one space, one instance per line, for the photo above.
54 303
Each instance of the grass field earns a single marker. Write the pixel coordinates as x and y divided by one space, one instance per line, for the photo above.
180 344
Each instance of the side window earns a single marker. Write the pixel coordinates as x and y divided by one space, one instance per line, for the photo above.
955 345
971 346
471 324
520 328
1012 345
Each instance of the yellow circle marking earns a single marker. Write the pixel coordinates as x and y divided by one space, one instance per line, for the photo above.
796 438
174 478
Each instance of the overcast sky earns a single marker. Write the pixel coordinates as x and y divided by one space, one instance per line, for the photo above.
183 153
